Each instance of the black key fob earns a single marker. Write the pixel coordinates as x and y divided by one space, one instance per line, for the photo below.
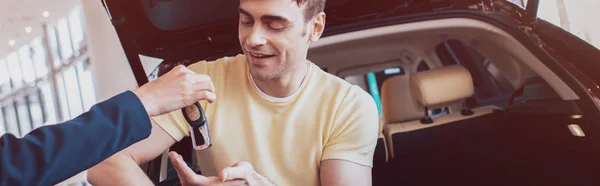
199 132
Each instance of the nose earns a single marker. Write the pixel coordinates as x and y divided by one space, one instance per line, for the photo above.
256 38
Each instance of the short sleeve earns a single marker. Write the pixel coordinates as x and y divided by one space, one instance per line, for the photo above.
355 129
174 123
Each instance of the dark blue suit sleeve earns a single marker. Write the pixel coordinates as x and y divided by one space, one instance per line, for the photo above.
53 153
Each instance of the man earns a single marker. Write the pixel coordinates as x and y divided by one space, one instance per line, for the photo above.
53 153
278 120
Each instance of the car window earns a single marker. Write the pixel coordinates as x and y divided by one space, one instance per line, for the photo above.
488 81
422 66
372 81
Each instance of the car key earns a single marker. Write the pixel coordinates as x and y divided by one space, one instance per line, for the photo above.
199 131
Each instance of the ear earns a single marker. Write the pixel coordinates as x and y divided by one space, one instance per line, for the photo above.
319 26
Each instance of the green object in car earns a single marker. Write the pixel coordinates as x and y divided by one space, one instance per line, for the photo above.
374 89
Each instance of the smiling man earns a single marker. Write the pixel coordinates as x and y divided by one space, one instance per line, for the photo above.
277 119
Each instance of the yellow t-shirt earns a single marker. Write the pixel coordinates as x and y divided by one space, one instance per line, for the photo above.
284 139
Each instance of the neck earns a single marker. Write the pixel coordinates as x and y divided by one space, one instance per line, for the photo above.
286 85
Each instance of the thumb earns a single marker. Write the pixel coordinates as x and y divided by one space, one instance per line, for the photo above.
185 173
241 170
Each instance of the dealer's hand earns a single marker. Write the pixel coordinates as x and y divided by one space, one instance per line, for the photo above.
244 171
174 90
188 177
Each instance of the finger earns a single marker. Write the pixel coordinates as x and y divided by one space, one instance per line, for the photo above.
192 77
182 169
178 68
203 86
234 183
204 95
185 69
241 170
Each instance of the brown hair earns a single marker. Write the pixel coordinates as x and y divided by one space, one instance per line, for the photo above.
311 7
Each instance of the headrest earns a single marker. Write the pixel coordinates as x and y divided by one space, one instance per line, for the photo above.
397 104
441 86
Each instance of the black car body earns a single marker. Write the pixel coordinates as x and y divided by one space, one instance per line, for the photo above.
530 143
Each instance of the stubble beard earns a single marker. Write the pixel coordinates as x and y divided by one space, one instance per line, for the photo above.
278 72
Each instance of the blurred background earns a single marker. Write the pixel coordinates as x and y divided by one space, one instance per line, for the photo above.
60 57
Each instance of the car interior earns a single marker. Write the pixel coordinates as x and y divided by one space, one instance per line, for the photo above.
454 94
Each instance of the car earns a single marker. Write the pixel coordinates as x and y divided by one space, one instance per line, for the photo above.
471 92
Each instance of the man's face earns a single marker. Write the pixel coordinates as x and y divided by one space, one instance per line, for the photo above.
274 37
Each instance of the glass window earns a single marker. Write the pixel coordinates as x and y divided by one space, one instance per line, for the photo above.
520 3
2 125
62 97
26 64
48 103
53 42
23 113
73 93
87 84
500 78
76 27
35 109
4 77
10 118
39 57
485 85
64 38
14 69
422 67
382 75
372 81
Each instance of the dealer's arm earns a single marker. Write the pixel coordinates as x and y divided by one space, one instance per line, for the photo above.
53 153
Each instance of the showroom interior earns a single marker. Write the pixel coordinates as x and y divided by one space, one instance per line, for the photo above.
58 58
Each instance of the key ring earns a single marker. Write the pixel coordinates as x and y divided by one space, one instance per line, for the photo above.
199 130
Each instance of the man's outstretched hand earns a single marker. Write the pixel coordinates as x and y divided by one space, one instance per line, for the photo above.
244 171
239 174
178 88
188 177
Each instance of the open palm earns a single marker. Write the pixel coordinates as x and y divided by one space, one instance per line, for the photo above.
188 177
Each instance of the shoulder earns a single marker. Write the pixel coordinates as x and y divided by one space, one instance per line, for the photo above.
351 99
358 101
351 94
218 65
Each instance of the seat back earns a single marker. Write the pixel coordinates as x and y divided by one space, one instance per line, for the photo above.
397 104
418 145
437 88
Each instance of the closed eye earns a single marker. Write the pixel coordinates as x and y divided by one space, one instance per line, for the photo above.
245 20
277 25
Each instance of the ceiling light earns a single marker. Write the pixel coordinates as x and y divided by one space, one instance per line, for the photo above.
0 26
46 14
576 116
28 29
12 42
